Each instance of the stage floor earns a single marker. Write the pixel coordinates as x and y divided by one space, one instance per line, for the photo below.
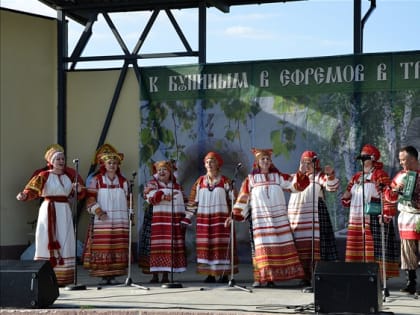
196 297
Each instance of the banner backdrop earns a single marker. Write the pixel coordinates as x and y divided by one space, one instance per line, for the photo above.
331 105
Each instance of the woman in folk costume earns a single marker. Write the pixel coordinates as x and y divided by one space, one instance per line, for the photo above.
54 236
275 257
106 248
306 224
210 201
167 244
375 178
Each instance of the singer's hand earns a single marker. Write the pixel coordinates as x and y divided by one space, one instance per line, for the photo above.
185 222
103 216
21 196
399 187
170 197
228 222
328 170
79 187
346 202
384 219
346 195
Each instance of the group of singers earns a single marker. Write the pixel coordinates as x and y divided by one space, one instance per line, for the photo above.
286 237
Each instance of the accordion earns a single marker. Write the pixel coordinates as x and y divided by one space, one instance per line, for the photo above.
411 191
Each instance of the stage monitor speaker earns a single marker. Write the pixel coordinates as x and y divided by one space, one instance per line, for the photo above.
341 287
27 284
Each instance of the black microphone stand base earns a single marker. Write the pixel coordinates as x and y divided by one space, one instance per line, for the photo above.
308 290
75 287
232 284
172 285
385 294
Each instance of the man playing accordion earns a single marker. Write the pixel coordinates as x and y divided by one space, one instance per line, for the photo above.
405 190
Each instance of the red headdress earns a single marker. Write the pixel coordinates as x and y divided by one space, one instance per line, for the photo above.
372 151
215 156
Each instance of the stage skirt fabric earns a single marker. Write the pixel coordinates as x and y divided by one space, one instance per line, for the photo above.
391 249
106 249
65 256
212 237
167 247
303 217
359 245
275 255
369 240
328 244
144 240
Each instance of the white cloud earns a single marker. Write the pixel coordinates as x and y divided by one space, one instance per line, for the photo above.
247 32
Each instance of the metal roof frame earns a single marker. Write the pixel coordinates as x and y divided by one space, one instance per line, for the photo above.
79 9
87 11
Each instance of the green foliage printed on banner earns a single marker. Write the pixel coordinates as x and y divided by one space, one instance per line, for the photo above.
329 105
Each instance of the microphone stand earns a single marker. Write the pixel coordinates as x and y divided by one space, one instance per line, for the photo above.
232 282
172 284
128 282
75 286
310 289
385 291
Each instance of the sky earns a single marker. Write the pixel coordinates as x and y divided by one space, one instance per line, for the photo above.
299 29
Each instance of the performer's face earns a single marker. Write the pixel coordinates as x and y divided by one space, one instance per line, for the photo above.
367 163
111 165
264 162
307 165
211 165
59 161
163 174
407 161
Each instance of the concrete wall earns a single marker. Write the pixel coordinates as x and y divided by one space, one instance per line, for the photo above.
28 91
28 114
89 97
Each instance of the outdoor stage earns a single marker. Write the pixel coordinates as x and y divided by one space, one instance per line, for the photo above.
196 297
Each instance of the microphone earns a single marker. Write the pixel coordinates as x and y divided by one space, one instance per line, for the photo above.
314 159
364 157
237 167
134 174
75 161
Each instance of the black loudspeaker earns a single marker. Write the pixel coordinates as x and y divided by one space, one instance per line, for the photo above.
27 284
341 287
